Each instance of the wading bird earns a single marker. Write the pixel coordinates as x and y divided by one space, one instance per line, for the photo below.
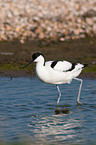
57 72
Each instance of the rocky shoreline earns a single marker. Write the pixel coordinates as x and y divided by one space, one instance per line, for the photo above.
47 20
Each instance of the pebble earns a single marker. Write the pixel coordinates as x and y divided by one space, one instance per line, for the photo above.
47 20
94 28
89 21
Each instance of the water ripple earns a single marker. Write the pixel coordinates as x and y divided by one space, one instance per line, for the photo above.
27 111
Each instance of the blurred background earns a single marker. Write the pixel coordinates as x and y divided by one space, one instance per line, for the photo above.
60 29
46 19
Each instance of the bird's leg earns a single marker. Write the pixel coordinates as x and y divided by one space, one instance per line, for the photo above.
78 98
59 94
64 110
57 111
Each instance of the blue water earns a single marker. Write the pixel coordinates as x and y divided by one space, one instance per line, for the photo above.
27 112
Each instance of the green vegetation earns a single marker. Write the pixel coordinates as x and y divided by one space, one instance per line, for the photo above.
30 68
14 67
8 67
14 55
91 68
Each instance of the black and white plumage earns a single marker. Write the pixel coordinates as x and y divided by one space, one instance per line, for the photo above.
57 72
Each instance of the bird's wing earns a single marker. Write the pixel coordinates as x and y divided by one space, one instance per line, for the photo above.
64 66
60 65
48 63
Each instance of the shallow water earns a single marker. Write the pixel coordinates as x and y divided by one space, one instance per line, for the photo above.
27 112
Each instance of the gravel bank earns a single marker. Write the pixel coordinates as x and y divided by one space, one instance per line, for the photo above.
47 19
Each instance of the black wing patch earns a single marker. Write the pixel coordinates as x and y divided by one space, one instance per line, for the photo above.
73 66
54 63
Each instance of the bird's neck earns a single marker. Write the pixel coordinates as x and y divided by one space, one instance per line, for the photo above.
41 61
40 65
41 71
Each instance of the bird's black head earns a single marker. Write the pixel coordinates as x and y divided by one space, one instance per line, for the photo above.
37 54
35 58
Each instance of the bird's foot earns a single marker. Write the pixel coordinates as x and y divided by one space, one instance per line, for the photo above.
65 110
57 111
79 103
